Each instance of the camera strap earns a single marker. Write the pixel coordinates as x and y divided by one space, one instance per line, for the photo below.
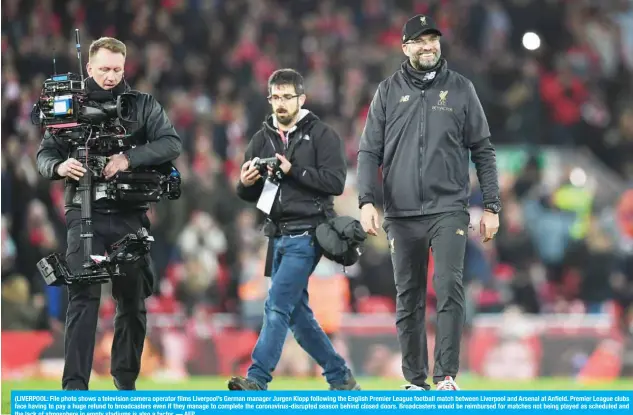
291 148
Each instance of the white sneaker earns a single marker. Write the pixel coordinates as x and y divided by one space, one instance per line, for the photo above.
448 384
413 388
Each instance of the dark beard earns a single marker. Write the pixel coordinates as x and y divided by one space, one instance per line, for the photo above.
286 118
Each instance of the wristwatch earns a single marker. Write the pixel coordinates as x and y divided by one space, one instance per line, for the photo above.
494 207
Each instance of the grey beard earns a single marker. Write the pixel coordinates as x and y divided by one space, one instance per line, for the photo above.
421 67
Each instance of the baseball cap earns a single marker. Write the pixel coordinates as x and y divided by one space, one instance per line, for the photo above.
419 25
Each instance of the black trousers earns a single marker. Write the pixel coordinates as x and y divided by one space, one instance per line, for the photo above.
409 241
129 292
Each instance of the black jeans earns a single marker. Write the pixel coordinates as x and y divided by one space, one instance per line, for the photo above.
409 240
129 292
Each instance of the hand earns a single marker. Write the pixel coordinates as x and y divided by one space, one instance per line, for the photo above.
249 174
71 168
369 219
39 301
489 225
285 164
117 163
55 325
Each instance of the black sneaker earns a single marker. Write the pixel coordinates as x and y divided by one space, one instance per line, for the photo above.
410 387
349 385
122 387
239 383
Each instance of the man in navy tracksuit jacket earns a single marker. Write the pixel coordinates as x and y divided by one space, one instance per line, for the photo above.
424 121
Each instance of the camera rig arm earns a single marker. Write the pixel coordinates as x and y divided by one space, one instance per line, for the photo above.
132 187
96 269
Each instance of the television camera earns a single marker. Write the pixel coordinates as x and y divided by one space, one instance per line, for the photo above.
92 126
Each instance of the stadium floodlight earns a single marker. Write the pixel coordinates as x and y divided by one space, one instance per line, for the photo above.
531 41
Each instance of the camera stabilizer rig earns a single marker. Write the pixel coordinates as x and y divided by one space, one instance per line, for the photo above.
96 269
93 130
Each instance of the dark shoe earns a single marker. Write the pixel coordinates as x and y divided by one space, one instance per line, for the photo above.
122 387
74 387
349 385
239 383
411 387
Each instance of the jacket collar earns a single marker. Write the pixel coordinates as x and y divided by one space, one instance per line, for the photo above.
305 117
96 93
423 78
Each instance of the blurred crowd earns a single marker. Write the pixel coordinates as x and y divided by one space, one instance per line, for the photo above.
208 62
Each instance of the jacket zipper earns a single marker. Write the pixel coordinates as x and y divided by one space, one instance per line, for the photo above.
285 139
274 151
422 145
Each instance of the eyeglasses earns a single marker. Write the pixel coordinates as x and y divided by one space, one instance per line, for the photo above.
421 41
283 98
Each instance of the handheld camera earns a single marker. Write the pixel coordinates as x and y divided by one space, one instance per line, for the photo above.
262 166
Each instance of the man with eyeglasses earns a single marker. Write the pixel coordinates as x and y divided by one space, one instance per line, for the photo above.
423 122
294 166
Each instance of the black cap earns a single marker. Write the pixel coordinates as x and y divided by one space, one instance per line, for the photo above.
417 26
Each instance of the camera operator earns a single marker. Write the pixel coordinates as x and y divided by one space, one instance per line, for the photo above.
295 190
156 142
